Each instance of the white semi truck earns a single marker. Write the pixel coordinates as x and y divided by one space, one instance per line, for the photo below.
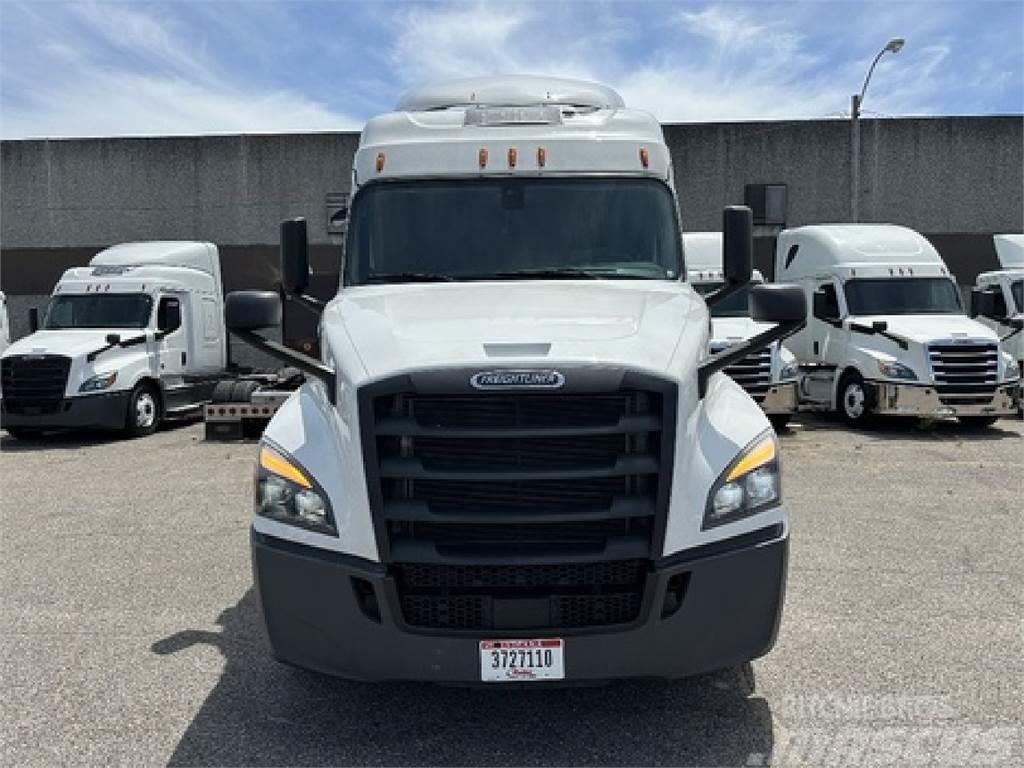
5 324
887 332
770 375
134 337
516 460
999 302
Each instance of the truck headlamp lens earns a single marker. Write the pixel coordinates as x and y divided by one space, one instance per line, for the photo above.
1012 370
789 371
286 493
896 371
748 485
100 382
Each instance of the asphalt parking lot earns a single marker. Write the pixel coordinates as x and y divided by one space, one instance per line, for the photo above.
131 635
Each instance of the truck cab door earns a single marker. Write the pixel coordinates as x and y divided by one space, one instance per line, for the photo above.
828 334
172 347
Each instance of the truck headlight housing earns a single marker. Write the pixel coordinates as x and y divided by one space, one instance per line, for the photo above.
98 383
285 492
749 484
789 371
1011 371
896 370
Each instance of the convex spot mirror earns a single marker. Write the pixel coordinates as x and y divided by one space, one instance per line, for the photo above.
777 303
252 310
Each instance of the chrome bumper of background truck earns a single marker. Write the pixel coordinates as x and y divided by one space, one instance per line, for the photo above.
781 398
336 614
921 400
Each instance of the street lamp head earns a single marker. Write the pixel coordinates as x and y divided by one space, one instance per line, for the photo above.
895 44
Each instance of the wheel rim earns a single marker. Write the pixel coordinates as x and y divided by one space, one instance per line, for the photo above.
853 400
145 410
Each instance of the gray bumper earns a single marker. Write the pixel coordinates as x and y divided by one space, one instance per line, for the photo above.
316 616
917 400
781 398
105 410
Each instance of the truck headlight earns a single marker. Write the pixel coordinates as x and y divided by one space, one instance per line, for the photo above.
1012 370
286 493
790 370
896 371
96 383
748 485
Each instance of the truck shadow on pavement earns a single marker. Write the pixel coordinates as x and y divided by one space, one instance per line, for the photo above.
905 430
264 713
75 439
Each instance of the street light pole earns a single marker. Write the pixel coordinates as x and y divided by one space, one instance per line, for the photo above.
893 46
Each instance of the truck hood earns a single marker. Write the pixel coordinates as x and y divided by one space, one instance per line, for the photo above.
72 343
924 329
735 329
404 327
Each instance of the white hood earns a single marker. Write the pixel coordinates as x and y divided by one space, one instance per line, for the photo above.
735 329
924 329
403 327
72 342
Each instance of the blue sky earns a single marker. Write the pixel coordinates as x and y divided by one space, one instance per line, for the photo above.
105 69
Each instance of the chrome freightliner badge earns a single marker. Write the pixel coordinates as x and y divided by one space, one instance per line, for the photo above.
517 379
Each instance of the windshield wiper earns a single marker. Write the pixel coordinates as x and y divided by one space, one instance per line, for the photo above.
561 273
408 277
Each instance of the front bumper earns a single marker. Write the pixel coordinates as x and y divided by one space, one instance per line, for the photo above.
314 608
923 400
781 398
105 410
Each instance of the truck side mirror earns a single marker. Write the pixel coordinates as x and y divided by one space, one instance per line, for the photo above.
252 310
778 303
294 256
983 302
737 252
168 315
33 319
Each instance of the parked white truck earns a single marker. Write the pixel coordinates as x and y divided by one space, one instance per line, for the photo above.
770 375
516 460
886 331
134 337
5 324
999 302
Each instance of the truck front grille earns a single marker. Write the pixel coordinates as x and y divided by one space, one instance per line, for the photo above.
521 509
966 373
753 373
34 382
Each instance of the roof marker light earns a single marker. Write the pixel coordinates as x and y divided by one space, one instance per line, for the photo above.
645 157
512 155
542 157
380 162
483 157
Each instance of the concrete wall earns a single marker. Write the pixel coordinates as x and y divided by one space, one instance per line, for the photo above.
958 180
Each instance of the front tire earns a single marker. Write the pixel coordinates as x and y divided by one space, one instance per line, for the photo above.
143 411
23 433
854 404
780 421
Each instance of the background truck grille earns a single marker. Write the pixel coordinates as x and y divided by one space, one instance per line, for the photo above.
965 374
34 382
513 510
753 373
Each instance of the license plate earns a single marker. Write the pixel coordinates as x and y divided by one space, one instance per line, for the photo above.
522 661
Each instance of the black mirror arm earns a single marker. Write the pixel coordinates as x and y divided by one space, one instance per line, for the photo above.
1017 323
727 290
736 353
124 343
304 363
307 301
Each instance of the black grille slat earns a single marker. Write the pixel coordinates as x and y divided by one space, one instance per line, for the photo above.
518 481
965 374
753 373
34 381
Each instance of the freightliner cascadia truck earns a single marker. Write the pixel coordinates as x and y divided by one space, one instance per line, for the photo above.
515 459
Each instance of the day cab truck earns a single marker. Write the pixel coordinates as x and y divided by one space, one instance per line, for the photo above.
770 375
135 337
887 332
515 459
999 296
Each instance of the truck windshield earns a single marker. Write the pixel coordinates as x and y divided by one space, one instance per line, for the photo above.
736 305
1017 289
480 229
903 296
105 310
